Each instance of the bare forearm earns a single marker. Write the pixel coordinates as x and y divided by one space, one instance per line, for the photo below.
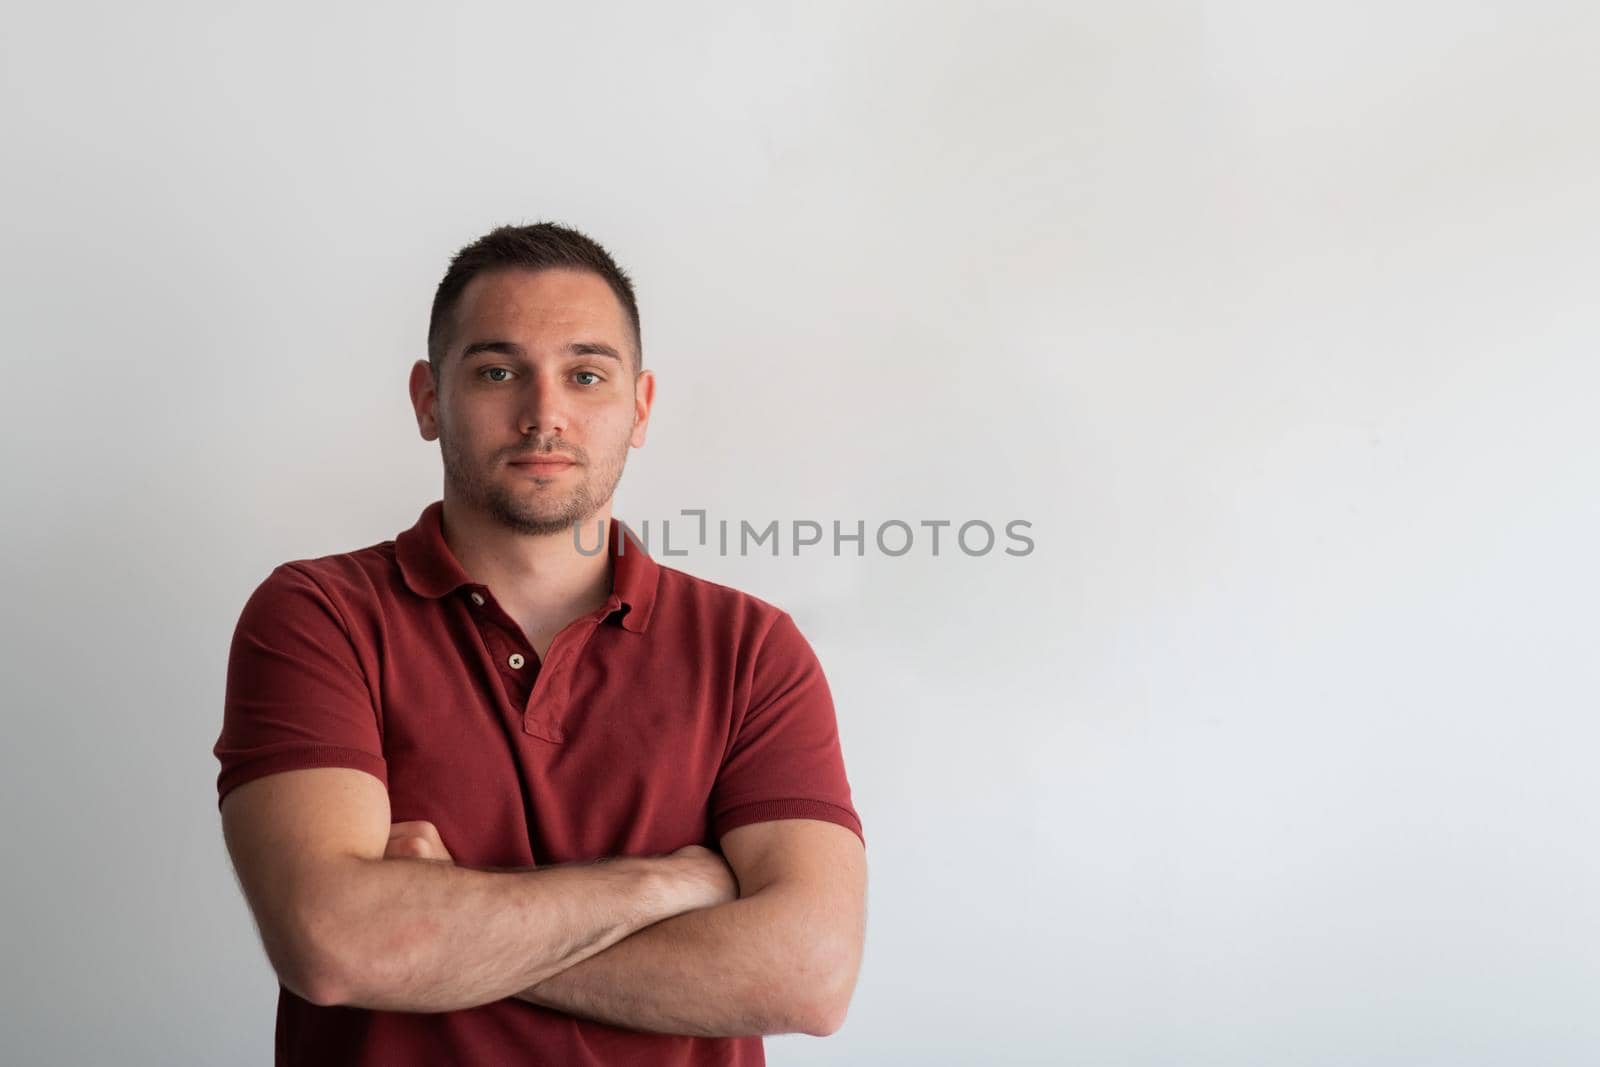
728 971
408 935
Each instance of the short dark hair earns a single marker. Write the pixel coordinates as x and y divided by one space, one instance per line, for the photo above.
541 246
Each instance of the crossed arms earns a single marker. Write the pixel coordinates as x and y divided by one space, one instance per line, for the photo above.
767 942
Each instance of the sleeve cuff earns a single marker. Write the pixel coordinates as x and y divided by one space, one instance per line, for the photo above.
767 810
300 759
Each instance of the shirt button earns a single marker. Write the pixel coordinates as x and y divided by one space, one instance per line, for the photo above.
516 661
477 598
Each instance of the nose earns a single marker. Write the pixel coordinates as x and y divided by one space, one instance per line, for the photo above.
544 411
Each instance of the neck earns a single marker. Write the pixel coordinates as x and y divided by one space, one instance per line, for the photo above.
532 574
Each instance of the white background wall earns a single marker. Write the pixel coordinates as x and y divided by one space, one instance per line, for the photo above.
1276 320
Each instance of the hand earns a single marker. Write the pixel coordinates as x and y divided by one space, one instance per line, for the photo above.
417 840
707 878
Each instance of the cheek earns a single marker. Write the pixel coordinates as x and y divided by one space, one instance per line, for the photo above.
611 424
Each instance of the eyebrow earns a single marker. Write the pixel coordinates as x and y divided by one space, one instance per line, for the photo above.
511 348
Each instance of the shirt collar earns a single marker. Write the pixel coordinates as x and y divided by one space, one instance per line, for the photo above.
431 570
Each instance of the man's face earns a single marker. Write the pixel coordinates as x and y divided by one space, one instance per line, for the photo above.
539 366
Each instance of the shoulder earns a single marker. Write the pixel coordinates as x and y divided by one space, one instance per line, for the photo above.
358 571
350 587
688 599
718 624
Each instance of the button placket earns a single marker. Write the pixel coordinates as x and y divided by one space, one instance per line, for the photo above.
501 639
547 701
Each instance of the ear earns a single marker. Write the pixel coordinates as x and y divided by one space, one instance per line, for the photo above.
644 395
424 399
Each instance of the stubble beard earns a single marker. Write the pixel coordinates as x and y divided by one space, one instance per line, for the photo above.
533 507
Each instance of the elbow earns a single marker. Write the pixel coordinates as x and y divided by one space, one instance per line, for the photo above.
315 961
308 977
333 948
312 975
823 1000
823 1022
822 1016
319 987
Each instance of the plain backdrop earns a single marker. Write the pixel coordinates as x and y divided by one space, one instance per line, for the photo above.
1276 321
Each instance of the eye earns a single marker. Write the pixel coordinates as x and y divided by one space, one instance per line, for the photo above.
489 370
588 374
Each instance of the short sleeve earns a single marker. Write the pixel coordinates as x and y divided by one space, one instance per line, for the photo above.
296 695
785 761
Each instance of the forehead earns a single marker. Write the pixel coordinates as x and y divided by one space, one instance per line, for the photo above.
513 304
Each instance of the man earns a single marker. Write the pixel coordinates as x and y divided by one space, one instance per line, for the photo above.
497 796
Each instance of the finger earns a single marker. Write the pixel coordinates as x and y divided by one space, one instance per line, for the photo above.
408 847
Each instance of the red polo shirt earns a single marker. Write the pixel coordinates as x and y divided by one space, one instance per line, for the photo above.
679 710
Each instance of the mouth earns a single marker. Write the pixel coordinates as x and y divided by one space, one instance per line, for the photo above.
542 464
